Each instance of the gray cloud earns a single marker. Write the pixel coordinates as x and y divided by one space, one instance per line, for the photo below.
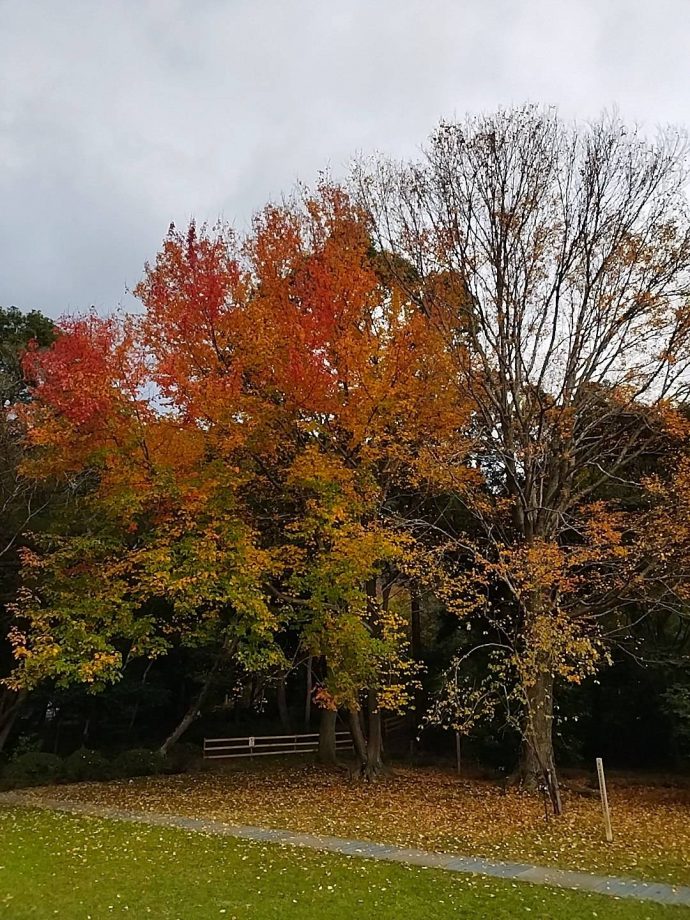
117 117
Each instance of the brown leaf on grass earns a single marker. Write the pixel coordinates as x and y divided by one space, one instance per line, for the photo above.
426 808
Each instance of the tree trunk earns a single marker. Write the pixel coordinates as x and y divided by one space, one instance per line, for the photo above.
327 753
192 713
309 691
374 764
416 625
416 652
135 710
537 768
358 739
283 710
367 750
8 717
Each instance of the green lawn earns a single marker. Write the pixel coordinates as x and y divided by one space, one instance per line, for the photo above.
55 865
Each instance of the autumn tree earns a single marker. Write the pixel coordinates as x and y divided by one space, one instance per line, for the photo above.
554 263
354 367
235 448
145 430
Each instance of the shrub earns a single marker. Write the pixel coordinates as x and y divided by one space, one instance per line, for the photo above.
676 705
181 757
27 744
84 764
138 762
33 769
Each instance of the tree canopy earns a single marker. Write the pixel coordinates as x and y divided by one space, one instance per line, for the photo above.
462 379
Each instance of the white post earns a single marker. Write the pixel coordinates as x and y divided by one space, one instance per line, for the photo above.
458 754
604 800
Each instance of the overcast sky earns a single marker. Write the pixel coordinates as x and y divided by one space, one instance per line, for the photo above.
118 116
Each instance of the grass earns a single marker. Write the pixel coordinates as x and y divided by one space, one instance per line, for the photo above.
78 868
430 809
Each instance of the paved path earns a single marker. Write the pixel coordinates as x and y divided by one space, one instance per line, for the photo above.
539 875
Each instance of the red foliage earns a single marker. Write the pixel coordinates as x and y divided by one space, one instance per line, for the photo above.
92 370
193 296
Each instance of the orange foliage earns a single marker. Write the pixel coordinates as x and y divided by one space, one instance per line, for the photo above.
244 436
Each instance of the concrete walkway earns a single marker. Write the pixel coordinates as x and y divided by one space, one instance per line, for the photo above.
539 875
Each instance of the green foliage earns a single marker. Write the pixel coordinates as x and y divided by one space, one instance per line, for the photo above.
27 744
676 703
17 329
181 757
22 502
86 765
138 762
32 769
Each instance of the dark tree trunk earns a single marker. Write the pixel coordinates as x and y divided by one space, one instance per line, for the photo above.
327 753
9 714
283 711
416 652
309 691
368 750
193 712
537 768
135 710
358 739
416 625
374 764
257 691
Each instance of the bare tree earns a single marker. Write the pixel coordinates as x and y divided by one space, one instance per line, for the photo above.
555 259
